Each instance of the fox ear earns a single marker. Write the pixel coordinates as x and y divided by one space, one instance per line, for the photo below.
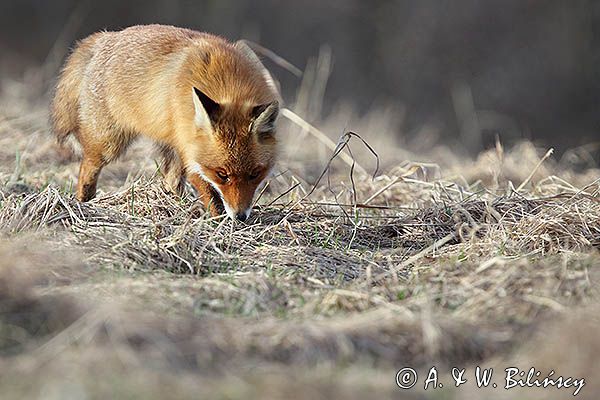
244 48
207 110
264 117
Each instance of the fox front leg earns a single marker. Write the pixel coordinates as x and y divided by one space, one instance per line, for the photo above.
172 170
207 194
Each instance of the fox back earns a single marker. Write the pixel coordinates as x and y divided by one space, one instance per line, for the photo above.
209 104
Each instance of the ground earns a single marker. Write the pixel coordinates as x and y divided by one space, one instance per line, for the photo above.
333 285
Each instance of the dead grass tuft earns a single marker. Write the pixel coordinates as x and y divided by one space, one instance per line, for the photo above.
338 276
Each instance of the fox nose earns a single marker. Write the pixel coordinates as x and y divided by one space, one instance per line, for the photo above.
241 216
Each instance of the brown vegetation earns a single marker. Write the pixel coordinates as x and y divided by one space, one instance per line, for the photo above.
327 291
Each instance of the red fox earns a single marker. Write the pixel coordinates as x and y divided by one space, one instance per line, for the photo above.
210 105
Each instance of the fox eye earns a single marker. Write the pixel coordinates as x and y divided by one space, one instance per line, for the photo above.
222 175
254 174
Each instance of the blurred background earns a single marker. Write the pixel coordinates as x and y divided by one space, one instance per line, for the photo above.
457 72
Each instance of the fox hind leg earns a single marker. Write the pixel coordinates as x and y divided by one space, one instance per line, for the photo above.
97 152
89 171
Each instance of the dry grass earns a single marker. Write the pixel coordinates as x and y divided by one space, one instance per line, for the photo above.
327 291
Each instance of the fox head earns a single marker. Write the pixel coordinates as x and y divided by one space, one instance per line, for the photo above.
236 104
238 149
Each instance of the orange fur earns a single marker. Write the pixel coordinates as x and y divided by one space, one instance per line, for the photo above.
143 80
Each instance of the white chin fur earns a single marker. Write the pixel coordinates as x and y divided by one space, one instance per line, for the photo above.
228 210
232 214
